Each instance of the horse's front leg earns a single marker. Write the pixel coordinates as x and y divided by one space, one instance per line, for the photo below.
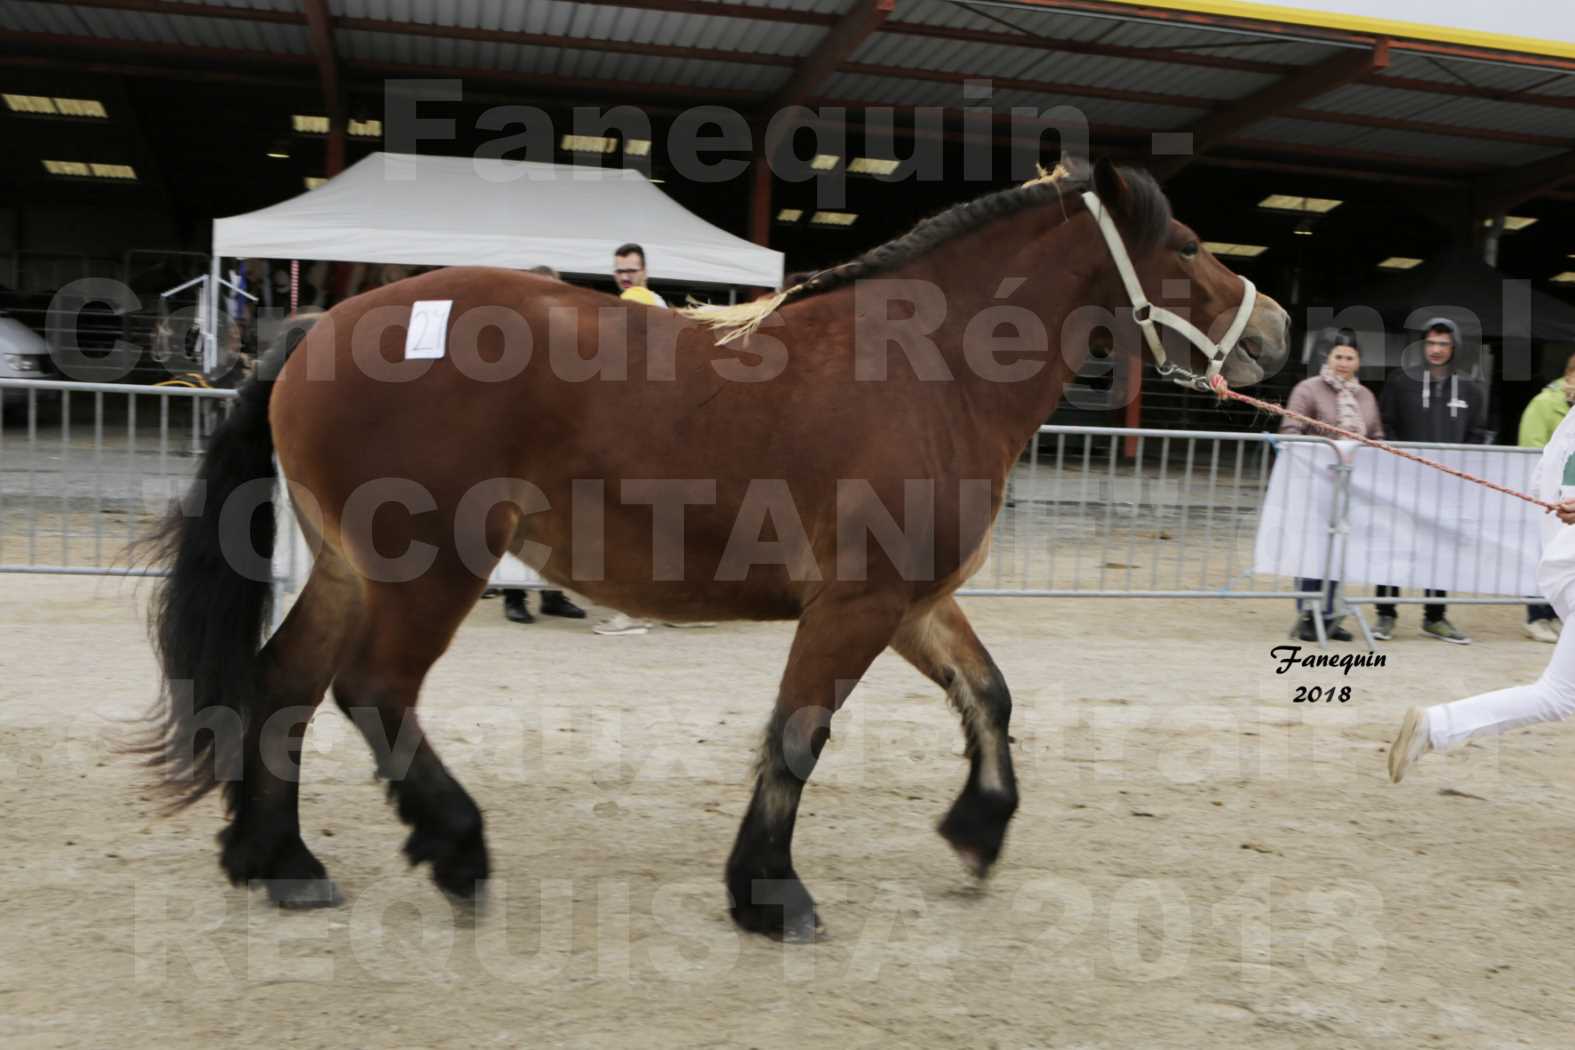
941 644
837 639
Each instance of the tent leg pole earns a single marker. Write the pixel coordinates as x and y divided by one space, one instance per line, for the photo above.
210 361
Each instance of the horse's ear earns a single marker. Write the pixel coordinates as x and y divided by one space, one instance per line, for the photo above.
1110 185
1075 165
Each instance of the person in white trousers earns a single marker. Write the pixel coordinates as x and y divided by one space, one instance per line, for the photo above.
1550 698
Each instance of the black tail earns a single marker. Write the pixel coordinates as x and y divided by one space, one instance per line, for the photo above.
207 616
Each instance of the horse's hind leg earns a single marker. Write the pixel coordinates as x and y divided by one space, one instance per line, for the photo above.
407 627
940 642
262 843
837 639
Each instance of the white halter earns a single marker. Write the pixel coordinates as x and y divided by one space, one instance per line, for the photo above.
1147 315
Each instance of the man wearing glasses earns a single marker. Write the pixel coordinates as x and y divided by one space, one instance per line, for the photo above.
629 270
1432 403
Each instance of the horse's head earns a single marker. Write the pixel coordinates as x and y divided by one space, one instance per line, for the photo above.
1181 281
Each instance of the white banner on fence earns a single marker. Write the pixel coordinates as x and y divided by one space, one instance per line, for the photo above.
1410 525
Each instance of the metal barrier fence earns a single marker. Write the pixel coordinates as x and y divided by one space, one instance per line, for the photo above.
1102 512
86 469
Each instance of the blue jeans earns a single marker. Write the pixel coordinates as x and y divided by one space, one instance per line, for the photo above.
1314 586
1429 612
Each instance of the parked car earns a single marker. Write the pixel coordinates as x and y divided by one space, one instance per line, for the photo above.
23 355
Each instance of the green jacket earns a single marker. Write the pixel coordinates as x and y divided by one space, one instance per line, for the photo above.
1543 416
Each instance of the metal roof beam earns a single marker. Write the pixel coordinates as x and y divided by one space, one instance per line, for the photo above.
1289 93
320 25
836 47
1501 191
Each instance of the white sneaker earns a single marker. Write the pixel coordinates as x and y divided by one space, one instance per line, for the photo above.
1541 631
1410 744
619 624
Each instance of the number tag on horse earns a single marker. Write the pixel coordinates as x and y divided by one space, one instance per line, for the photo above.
428 332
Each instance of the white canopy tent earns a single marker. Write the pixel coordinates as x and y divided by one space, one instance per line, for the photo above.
468 211
418 210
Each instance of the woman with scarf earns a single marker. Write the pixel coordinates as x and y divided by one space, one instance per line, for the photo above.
1337 397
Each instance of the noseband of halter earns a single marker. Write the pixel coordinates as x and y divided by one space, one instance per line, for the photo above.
1148 316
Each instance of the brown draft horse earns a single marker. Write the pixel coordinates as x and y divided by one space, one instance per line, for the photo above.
834 425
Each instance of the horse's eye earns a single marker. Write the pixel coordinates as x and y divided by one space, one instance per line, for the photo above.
1190 250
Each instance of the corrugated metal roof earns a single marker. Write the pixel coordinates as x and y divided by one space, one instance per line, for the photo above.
1300 132
1036 61
38 18
596 22
826 7
951 55
1158 77
190 30
1483 75
292 6
1388 103
1439 147
892 91
1399 143
1060 67
1562 86
1374 101
888 91
1047 25
941 13
1133 32
1288 53
589 64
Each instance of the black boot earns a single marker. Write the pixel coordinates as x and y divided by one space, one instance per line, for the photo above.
1304 630
556 603
514 607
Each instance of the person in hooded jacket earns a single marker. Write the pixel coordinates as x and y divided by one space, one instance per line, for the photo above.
1537 424
1429 400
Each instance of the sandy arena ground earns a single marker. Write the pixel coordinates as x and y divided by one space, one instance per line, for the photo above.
1198 862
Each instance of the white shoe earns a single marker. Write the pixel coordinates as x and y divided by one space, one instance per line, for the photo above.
1410 744
1541 631
619 624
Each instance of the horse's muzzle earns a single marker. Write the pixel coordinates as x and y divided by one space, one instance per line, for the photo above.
1264 346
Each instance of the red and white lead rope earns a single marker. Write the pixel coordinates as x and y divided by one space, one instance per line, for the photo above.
1217 384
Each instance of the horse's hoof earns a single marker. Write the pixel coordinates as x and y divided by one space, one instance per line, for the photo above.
785 911
473 902
976 828
301 894
796 928
802 929
973 860
462 875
